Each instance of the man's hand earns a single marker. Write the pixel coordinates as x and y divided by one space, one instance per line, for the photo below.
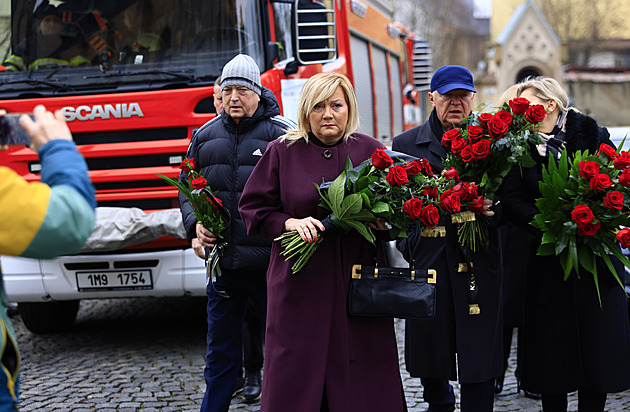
198 248
206 238
46 127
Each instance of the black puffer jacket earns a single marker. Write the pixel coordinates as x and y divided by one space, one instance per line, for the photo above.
226 154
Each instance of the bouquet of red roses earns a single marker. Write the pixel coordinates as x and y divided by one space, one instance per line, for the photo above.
483 150
207 208
583 210
399 193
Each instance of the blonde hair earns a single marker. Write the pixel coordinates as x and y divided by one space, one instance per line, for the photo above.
546 88
317 89
509 94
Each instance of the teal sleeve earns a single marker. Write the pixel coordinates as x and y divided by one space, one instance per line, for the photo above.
68 223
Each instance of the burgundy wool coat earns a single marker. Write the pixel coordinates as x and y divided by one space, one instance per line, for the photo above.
312 346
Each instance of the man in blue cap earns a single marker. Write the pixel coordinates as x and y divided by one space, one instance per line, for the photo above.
464 339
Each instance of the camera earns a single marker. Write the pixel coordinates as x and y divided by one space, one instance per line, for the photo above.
11 133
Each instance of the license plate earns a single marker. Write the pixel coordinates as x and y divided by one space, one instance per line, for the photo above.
118 280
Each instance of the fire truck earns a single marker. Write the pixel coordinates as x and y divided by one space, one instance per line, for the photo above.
134 80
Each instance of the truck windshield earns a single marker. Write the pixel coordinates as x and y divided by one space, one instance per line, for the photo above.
74 46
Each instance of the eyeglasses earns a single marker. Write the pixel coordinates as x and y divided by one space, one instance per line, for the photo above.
464 97
242 91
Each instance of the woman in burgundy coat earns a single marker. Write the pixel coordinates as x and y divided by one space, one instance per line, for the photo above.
317 357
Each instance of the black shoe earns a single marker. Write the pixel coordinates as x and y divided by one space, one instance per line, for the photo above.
253 386
238 386
498 385
441 408
532 395
527 394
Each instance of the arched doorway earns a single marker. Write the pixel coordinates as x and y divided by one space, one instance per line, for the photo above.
527 72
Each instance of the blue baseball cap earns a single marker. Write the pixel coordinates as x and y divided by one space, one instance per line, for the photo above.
448 78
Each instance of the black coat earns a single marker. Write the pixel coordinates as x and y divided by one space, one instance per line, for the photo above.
226 154
568 341
431 345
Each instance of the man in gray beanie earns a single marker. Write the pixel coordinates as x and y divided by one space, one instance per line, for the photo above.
242 71
225 151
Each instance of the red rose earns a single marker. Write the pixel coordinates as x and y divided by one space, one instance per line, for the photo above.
397 176
505 116
413 168
610 153
624 178
413 208
600 182
477 205
451 173
474 133
450 202
381 160
448 137
484 118
535 113
457 145
426 168
497 127
217 200
582 214
430 216
623 237
199 183
614 200
431 192
588 169
466 154
588 229
481 149
622 161
519 105
465 191
187 165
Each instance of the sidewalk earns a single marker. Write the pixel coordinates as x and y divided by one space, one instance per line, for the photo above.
509 400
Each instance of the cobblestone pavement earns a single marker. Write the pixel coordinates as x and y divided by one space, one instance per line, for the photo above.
148 355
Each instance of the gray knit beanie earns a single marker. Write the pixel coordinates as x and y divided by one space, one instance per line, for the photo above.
242 71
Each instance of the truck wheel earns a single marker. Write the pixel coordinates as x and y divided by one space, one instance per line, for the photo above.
47 317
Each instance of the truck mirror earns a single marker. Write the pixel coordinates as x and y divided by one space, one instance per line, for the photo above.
315 31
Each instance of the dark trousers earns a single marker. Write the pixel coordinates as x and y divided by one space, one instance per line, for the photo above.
224 350
253 338
475 397
588 401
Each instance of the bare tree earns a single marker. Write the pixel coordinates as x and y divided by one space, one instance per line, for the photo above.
448 26
587 21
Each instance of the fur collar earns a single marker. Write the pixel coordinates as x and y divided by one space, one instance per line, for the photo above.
582 133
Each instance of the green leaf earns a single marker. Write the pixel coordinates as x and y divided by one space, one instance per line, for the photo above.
380 207
573 257
323 196
363 230
546 249
587 260
336 193
350 205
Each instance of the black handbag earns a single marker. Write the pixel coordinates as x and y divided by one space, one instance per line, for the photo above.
407 293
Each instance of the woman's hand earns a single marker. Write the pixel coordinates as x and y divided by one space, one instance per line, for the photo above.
377 225
487 204
205 237
307 227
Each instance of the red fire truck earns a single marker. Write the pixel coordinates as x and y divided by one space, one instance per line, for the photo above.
134 79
